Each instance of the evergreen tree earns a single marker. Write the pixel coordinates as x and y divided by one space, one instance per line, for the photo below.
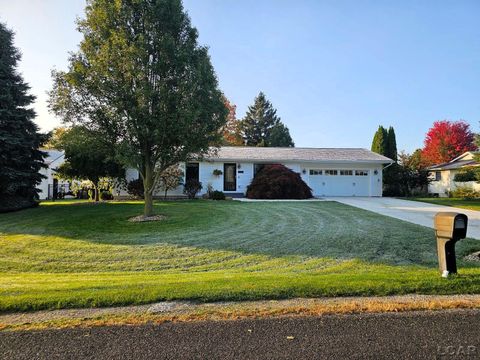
385 143
391 145
260 118
20 157
280 136
380 141
262 127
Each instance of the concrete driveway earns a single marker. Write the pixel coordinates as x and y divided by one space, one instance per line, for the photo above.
412 211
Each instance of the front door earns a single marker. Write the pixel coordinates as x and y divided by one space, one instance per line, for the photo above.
229 177
192 172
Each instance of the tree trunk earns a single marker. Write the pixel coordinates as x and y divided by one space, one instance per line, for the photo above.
148 192
148 209
165 197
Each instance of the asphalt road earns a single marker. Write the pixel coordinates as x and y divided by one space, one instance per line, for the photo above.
414 335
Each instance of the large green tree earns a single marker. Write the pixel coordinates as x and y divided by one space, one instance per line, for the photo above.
395 175
380 141
280 136
385 143
88 156
262 127
20 157
141 78
392 144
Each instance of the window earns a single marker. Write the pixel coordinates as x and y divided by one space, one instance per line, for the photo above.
346 172
361 172
331 172
438 175
315 172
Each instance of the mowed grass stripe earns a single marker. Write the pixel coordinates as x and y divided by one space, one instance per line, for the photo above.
49 291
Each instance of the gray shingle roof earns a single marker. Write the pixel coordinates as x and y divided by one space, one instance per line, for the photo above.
454 165
242 153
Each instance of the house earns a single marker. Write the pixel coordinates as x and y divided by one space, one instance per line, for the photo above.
328 171
442 175
49 185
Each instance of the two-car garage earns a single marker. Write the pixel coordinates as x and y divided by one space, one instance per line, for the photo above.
340 182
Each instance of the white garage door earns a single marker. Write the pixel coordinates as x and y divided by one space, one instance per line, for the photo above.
338 182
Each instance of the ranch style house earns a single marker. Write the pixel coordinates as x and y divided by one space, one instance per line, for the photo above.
328 171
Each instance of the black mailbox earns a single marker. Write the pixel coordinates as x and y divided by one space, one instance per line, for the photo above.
449 228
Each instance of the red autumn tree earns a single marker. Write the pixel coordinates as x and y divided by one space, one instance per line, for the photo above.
231 130
446 140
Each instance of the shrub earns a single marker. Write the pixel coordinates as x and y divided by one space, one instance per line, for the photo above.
278 182
399 180
464 192
191 188
106 195
170 179
217 195
135 188
13 203
209 192
466 175
82 194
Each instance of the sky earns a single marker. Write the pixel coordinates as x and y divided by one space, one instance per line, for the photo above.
334 70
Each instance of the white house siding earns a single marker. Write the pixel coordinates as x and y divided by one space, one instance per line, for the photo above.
53 160
322 185
206 175
43 186
446 184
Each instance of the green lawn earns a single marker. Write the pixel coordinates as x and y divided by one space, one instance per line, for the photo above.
460 203
65 255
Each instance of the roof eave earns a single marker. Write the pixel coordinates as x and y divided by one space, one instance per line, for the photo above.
379 161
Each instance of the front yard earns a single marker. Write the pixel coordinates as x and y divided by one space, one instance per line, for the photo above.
79 255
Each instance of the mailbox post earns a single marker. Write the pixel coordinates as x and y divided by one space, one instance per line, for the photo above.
450 227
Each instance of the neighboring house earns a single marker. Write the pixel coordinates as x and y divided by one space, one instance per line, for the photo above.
442 175
49 185
328 172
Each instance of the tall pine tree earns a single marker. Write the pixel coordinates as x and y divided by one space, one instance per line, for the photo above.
280 136
380 141
20 157
385 143
262 127
392 144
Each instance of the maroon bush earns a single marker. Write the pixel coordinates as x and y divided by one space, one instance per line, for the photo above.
278 182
